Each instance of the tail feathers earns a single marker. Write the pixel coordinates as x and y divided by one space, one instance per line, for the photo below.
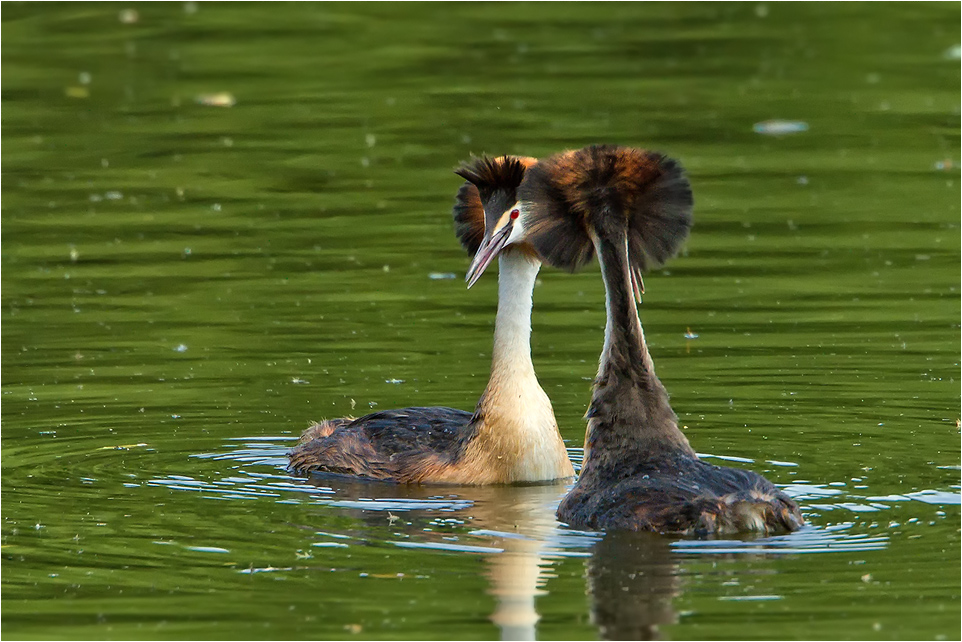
756 512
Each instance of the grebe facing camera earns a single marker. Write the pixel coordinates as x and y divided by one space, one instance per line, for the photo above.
512 435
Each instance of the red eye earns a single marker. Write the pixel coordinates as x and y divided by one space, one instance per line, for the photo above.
515 214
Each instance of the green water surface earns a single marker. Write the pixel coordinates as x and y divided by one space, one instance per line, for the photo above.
223 221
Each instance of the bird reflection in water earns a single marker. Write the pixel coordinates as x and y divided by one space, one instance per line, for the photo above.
632 580
518 575
515 523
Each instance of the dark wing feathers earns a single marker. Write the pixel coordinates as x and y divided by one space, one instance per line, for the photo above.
680 495
391 444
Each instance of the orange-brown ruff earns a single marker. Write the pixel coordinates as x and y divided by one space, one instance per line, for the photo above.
512 435
633 208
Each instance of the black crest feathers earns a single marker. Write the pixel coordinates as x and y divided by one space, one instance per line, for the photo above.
491 186
469 218
610 190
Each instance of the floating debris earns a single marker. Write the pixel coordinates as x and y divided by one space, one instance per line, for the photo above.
778 127
298 380
219 99
123 447
207 549
129 16
180 348
394 381
77 92
944 165
442 276
689 334
265 569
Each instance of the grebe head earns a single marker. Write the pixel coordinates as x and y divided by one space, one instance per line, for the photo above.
487 211
569 199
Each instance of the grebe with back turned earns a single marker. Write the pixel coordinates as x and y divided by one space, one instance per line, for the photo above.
512 436
633 209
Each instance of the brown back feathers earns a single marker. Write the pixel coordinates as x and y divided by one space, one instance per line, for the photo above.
613 190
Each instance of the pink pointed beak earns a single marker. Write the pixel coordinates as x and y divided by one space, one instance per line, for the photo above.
486 253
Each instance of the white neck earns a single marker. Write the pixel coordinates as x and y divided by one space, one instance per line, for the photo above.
512 326
518 438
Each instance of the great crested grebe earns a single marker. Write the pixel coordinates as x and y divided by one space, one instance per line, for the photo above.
633 209
512 435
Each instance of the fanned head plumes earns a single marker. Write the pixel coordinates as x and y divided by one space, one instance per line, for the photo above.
612 191
490 189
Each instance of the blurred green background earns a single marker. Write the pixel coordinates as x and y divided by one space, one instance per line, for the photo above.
223 221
